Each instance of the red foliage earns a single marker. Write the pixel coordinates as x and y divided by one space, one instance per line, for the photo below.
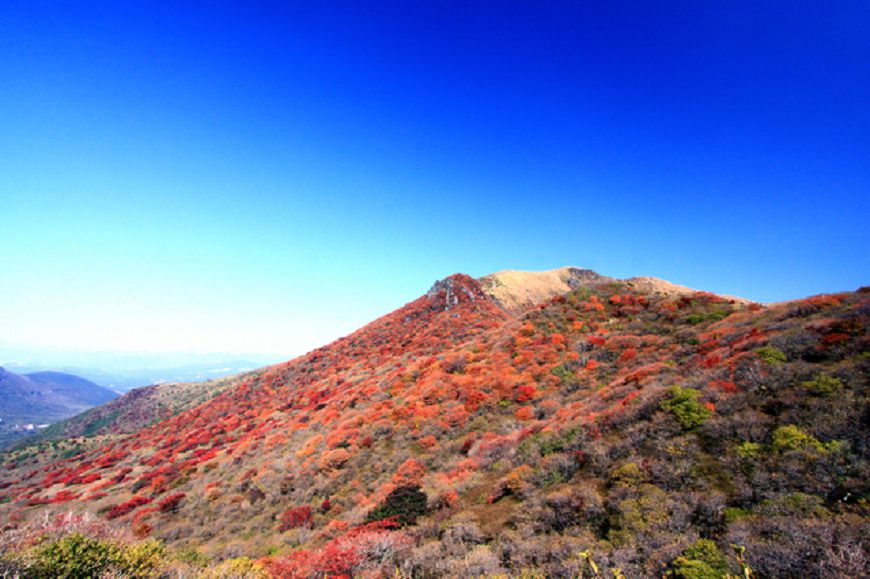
724 385
332 459
834 338
525 393
428 442
124 508
525 413
295 518
409 473
170 503
711 361
627 355
343 555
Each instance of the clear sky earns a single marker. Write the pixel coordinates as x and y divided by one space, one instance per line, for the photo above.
264 177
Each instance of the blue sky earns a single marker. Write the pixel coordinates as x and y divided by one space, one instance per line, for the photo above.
264 177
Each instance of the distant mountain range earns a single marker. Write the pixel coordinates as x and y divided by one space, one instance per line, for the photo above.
123 379
30 401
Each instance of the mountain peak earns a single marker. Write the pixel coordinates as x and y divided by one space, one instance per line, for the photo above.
516 290
454 290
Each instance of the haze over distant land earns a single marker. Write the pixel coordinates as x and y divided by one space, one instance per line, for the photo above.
122 371
32 401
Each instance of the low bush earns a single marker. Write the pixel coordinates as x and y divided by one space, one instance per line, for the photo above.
403 505
76 556
683 404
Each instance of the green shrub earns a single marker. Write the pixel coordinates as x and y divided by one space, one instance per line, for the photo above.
404 505
695 319
629 474
78 557
748 450
191 556
791 437
683 404
794 505
140 559
824 385
714 316
238 568
702 560
771 355
733 514
646 511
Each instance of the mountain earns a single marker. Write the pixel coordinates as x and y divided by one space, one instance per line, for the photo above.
141 407
31 400
483 431
125 372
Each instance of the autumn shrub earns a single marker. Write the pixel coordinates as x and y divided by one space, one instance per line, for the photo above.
332 459
170 503
295 518
515 483
370 550
404 504
683 404
524 413
127 507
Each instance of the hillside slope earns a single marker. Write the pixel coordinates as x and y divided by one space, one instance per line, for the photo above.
653 430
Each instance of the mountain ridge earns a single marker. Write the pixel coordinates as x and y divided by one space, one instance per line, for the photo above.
516 290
